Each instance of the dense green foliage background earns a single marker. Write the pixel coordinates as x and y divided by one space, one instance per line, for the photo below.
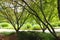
29 15
49 8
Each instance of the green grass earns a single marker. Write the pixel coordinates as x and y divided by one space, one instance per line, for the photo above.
7 33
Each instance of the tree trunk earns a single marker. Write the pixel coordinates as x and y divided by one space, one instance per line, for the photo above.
58 2
17 33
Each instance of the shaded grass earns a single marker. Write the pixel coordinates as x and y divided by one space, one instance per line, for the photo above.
7 33
36 36
31 35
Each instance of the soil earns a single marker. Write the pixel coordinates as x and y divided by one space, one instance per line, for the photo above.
11 37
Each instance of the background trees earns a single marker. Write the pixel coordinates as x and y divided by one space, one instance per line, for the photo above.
36 14
44 13
14 16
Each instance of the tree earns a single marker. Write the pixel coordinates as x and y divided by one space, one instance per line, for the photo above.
37 8
34 12
11 14
58 2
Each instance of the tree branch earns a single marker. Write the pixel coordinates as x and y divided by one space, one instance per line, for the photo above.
45 18
24 21
38 18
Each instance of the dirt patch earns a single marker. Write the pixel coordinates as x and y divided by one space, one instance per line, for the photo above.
11 37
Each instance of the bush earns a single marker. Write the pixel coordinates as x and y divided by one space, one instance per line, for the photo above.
36 27
55 24
35 36
3 25
6 25
29 36
29 26
26 26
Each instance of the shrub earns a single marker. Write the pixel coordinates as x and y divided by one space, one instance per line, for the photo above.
6 25
36 27
29 36
35 36
3 25
26 26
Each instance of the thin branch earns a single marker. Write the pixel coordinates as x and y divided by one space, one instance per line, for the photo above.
16 16
38 18
36 4
25 8
42 21
6 17
34 14
30 8
45 17
24 21
22 12
37 22
6 13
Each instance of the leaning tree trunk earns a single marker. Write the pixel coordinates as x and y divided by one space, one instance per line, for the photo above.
58 2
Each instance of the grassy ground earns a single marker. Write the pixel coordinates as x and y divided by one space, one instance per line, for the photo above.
29 36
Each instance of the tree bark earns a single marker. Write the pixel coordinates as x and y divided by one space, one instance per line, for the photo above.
17 33
58 2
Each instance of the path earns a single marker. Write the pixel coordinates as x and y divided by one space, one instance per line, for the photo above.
10 30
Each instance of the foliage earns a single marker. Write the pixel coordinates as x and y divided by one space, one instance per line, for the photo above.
29 26
36 27
26 26
41 10
6 25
